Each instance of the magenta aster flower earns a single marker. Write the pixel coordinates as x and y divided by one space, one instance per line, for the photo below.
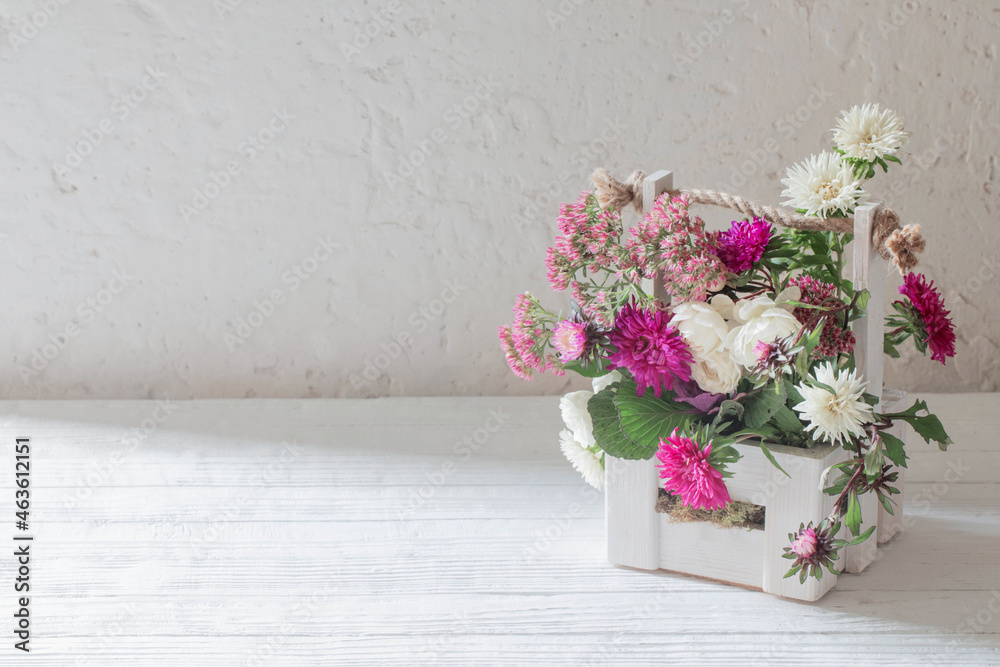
688 473
929 306
743 244
651 349
570 339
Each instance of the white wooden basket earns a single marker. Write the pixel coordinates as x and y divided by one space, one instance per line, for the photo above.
639 537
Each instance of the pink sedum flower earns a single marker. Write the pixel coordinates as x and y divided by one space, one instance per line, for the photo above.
689 474
743 244
570 339
651 349
929 305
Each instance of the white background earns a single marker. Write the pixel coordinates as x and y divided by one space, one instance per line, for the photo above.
701 88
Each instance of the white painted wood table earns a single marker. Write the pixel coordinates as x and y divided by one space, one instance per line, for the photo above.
436 531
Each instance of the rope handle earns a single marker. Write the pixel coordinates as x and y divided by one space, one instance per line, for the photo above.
893 242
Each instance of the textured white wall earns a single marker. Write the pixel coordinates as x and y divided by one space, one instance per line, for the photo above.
361 191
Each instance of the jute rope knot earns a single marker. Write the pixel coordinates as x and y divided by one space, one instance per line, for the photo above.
900 245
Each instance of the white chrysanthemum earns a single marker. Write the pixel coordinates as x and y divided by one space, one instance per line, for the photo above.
869 132
576 417
821 185
599 383
584 459
835 416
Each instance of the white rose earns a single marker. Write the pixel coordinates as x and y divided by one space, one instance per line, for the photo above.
762 321
574 413
717 373
723 305
701 327
705 331
603 381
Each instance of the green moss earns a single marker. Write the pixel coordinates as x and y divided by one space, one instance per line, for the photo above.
736 514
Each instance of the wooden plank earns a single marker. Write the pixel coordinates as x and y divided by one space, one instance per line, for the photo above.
653 186
632 525
869 274
727 555
792 502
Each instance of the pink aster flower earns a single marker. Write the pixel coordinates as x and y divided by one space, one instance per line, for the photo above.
805 543
651 349
570 339
813 548
688 473
743 244
929 306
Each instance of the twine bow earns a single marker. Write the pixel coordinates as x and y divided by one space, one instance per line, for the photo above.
897 244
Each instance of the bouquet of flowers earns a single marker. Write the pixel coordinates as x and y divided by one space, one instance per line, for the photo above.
746 336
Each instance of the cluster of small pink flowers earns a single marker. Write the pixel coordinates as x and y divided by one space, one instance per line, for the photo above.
524 342
743 244
835 339
688 473
671 242
588 238
651 349
595 306
929 306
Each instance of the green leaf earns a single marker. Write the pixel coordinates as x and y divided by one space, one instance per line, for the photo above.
761 405
608 430
861 538
646 419
862 300
894 449
786 420
928 426
770 457
591 370
892 158
853 516
886 503
728 408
